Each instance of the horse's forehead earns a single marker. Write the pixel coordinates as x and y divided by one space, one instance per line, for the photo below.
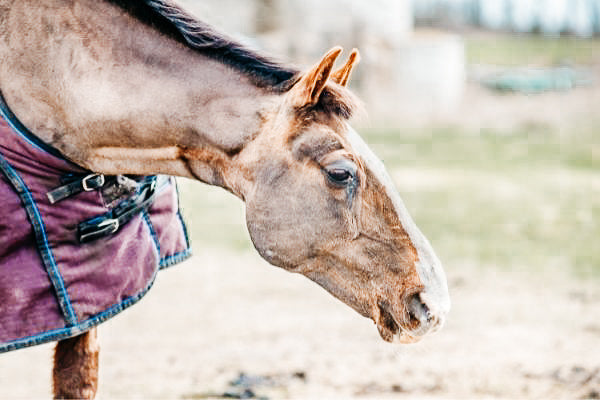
376 167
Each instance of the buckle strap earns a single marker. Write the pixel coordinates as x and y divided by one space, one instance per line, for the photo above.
85 184
89 231
110 222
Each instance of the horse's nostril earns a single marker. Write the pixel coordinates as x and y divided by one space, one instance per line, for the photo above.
417 310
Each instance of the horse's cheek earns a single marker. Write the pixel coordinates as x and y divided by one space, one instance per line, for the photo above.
289 221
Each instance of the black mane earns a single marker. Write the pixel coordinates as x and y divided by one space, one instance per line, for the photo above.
172 20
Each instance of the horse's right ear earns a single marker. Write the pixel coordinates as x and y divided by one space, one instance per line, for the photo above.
308 89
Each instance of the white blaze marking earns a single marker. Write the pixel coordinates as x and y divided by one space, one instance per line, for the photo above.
428 267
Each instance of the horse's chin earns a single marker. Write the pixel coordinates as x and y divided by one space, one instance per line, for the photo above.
405 338
386 325
396 335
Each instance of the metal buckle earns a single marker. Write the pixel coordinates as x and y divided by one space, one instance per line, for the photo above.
86 187
90 231
109 226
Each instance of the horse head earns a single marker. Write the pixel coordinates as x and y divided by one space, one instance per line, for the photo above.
321 204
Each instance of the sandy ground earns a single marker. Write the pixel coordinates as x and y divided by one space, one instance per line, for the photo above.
223 323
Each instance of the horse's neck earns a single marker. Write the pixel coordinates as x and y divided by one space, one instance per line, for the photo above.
125 99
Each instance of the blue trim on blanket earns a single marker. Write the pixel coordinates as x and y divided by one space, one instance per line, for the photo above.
166 262
153 234
176 258
184 228
25 133
64 333
78 328
188 243
41 240
74 327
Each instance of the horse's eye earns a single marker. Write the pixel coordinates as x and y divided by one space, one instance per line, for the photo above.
339 175
341 172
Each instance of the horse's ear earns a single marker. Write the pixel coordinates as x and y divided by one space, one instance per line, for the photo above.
309 88
342 75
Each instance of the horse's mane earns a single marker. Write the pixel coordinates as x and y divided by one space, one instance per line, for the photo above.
172 20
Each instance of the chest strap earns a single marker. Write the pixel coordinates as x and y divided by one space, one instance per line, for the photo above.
110 222
114 185
84 184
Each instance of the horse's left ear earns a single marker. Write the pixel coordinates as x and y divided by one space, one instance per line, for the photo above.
308 89
342 75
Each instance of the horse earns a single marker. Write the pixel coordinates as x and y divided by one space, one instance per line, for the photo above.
142 87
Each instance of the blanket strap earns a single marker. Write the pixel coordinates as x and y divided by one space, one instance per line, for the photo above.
110 222
86 183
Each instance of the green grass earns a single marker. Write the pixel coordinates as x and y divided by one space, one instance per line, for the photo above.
522 199
519 50
538 224
514 200
529 146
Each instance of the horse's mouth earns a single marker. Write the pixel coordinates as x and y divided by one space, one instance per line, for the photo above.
390 330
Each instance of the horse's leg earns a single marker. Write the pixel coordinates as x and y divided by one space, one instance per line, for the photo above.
75 374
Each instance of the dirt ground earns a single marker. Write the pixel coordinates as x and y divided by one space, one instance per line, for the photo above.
231 325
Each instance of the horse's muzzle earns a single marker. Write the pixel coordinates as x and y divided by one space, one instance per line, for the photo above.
418 321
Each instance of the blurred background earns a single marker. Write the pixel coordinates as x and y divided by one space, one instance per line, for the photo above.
486 113
487 116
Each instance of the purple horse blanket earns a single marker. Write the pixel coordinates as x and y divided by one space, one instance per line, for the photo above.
53 286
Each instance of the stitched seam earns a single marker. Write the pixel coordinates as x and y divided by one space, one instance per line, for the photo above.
185 254
175 258
41 240
183 225
184 229
146 218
